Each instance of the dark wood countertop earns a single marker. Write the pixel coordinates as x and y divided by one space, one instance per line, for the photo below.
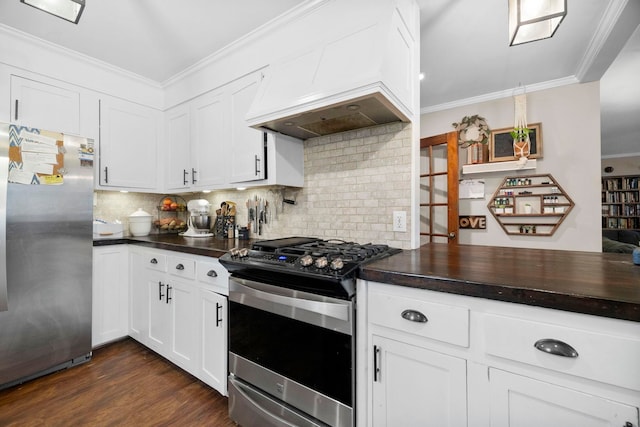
206 246
601 284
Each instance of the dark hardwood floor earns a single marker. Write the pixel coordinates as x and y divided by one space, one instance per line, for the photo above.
125 384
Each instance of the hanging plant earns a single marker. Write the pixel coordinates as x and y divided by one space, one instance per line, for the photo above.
520 133
472 130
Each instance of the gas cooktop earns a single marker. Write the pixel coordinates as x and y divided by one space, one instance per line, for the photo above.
323 260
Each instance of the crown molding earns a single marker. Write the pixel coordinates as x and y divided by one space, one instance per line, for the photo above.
296 12
550 84
23 37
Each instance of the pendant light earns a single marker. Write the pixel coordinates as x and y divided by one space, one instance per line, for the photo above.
531 20
69 10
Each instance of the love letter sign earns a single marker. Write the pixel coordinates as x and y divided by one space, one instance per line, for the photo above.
478 222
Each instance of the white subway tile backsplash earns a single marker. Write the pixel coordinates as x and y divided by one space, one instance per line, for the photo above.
353 182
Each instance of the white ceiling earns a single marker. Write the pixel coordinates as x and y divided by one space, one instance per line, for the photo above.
464 47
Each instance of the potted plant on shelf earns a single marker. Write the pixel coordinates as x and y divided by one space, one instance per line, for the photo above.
521 143
473 134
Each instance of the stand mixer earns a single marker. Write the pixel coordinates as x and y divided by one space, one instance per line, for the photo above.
199 221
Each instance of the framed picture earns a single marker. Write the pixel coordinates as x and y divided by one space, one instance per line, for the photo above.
501 143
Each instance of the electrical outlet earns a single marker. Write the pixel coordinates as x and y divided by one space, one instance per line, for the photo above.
399 221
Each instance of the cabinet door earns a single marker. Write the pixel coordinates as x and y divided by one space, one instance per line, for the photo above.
209 141
524 402
128 145
159 314
213 336
176 153
417 387
110 294
45 106
138 298
183 327
247 144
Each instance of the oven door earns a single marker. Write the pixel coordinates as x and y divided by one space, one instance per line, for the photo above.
295 346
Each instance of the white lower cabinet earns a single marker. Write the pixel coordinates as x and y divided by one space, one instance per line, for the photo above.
429 358
110 301
413 386
180 312
525 402
213 337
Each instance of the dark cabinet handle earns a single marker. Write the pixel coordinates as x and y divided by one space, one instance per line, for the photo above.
212 273
414 316
218 314
16 111
153 261
376 363
185 181
179 267
193 176
160 294
555 347
257 165
169 287
106 174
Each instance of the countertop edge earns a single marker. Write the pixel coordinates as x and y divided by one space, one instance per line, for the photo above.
513 294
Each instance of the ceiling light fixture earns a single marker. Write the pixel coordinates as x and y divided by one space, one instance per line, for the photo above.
69 10
531 20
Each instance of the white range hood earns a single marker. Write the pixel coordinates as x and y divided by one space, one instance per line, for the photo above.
363 74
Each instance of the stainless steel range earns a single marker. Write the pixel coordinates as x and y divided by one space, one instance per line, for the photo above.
292 330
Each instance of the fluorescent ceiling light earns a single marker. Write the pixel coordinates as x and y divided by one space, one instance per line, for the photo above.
531 20
69 10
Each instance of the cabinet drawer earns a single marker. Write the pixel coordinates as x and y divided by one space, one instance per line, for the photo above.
155 261
214 274
602 357
182 267
444 322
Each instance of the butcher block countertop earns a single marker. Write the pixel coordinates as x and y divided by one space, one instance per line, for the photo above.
601 284
206 246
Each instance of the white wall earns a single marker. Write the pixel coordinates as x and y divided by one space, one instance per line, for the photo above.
570 117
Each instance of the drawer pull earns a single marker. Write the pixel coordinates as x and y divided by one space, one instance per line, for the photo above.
556 347
212 273
179 267
414 316
153 261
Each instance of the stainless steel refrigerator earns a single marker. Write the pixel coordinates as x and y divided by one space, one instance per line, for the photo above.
46 209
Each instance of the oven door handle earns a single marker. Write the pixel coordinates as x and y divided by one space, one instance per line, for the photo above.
244 294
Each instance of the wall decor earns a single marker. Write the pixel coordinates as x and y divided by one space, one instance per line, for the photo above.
501 144
533 205
474 222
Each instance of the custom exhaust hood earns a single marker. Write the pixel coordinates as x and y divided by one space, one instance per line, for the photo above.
359 78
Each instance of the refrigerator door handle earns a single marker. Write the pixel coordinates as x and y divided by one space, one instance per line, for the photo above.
4 175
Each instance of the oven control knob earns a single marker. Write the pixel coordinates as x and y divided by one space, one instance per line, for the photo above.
242 253
321 262
306 260
337 264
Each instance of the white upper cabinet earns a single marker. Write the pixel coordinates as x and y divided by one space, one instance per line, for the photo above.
128 145
45 106
248 149
209 140
208 144
195 144
177 148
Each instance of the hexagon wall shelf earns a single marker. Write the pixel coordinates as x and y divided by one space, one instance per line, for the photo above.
530 205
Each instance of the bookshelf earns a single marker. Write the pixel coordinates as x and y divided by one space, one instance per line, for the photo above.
621 202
